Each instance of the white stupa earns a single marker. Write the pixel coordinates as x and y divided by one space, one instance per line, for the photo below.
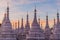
27 26
35 32
56 30
6 28
47 30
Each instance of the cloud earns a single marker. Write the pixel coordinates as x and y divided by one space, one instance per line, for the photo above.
21 2
2 3
58 2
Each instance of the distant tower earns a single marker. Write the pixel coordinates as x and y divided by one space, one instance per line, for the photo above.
18 26
27 26
54 24
35 32
47 30
47 25
57 17
22 27
42 28
54 21
15 24
39 21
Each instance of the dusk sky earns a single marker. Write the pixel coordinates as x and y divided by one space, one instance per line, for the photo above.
19 8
